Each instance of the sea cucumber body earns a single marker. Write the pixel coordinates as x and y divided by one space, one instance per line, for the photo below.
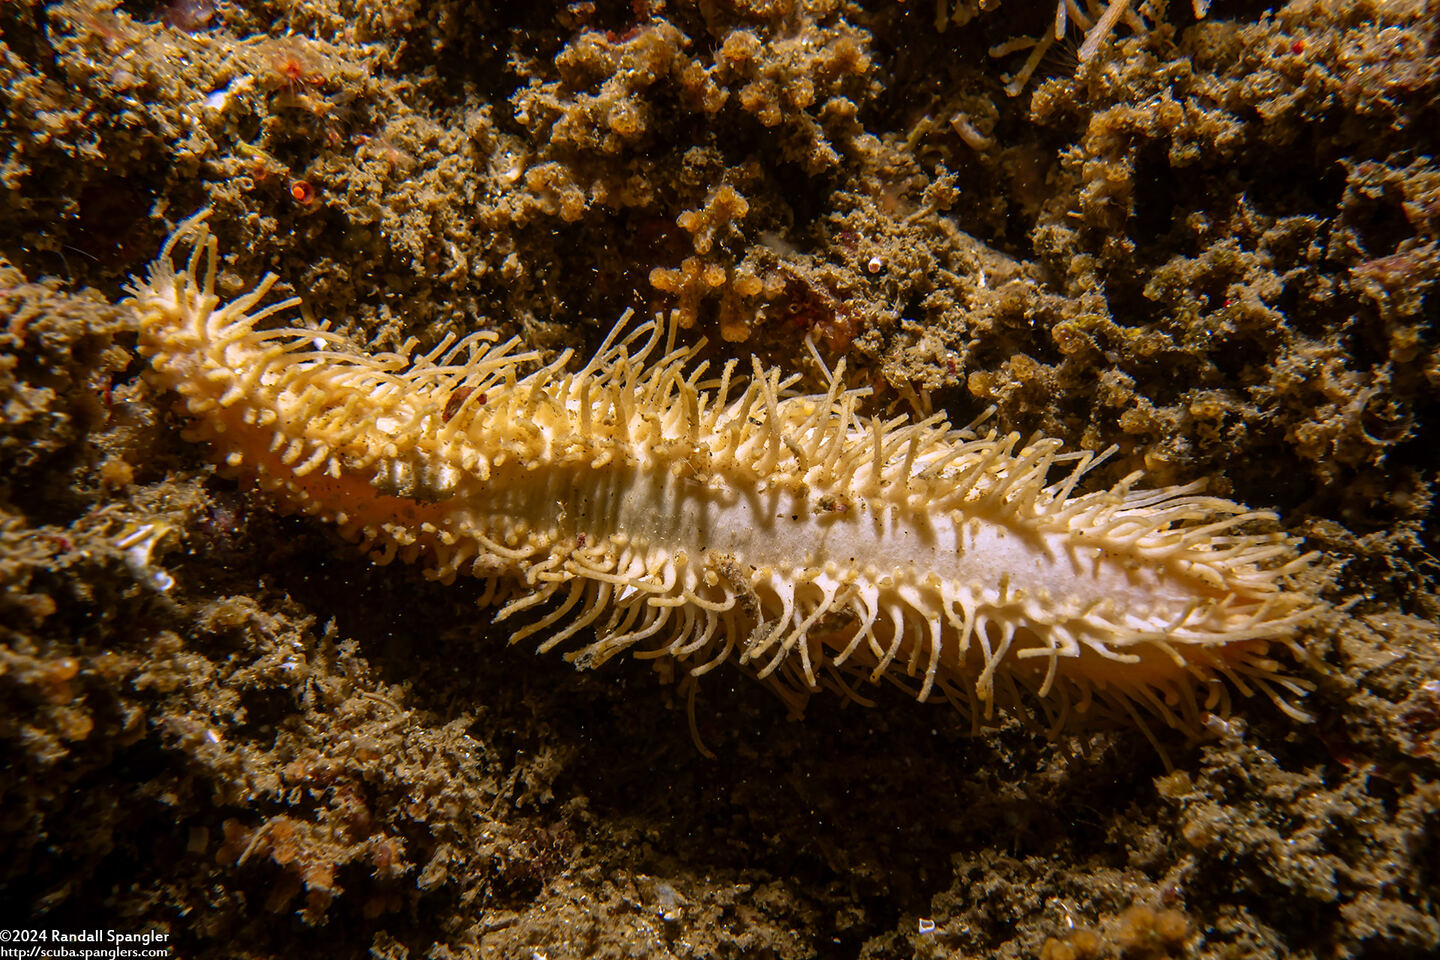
711 520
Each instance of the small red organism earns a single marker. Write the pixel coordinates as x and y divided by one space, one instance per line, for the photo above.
1298 47
302 192
294 66
457 400
839 330
816 310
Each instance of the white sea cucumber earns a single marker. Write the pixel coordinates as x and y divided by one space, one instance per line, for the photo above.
646 508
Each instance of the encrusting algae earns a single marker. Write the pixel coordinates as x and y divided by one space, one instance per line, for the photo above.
710 519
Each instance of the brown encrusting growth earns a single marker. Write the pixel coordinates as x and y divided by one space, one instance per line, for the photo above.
1205 234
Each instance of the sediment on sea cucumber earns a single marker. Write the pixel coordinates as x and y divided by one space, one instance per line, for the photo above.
644 503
